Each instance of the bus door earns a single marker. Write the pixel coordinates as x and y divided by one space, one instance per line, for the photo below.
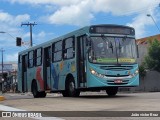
24 72
81 63
47 68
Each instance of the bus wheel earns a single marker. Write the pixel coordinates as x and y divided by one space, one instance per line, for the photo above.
35 89
70 88
64 93
42 94
112 91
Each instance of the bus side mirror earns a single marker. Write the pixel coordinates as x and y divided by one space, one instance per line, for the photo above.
88 49
137 51
88 41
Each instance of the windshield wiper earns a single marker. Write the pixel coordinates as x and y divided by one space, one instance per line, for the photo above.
110 43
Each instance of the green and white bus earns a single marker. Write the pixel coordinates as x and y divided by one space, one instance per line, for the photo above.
93 58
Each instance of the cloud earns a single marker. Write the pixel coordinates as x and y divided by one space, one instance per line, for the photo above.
73 15
13 20
11 57
8 24
142 21
82 12
37 38
11 25
42 2
22 18
113 6
123 7
139 24
40 37
5 17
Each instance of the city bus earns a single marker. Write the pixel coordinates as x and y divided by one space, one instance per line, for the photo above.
93 58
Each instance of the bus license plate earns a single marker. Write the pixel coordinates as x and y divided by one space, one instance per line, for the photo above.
118 81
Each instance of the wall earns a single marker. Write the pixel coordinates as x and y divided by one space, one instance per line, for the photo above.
142 50
150 83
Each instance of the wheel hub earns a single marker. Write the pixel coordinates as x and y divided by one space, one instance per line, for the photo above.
71 87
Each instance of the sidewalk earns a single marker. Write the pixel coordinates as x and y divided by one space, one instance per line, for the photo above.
1 96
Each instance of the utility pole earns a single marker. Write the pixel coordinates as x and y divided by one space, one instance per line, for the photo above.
30 25
2 61
2 80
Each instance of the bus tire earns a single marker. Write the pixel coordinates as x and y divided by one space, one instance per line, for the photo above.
42 94
112 91
70 88
35 90
64 93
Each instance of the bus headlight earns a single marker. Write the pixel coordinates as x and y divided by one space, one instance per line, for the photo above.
93 71
96 73
135 73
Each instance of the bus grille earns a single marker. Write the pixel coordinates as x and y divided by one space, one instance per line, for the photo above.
117 75
117 68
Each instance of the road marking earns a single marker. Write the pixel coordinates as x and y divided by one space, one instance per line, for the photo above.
7 108
2 98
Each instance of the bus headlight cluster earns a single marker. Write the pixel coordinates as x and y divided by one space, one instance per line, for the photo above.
135 73
96 73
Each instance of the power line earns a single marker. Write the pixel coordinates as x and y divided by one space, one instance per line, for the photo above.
30 25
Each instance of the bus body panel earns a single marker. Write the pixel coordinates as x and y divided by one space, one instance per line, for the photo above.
56 76
95 81
38 76
60 71
52 75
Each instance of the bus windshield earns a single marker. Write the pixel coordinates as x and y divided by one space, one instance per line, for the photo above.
113 50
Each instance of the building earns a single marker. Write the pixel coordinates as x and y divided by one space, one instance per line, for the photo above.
9 74
143 44
144 41
150 82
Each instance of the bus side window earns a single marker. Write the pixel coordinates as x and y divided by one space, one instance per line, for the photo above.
57 51
20 59
53 52
26 61
38 57
48 56
30 59
69 48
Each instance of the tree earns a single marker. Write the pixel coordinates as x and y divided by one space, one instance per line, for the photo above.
152 60
142 70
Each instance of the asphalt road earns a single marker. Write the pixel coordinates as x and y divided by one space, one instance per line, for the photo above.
89 101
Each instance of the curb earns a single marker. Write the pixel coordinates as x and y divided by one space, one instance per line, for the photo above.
2 98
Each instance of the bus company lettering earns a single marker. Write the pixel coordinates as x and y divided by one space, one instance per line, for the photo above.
15 114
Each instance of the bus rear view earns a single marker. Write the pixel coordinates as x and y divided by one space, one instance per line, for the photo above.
112 54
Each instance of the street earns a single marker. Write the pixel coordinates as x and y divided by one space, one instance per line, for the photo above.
86 102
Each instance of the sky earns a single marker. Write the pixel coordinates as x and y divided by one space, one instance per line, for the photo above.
58 17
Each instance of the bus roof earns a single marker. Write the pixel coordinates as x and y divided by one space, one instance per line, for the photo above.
80 31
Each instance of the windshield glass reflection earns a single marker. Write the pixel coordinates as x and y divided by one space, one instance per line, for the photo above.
112 50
